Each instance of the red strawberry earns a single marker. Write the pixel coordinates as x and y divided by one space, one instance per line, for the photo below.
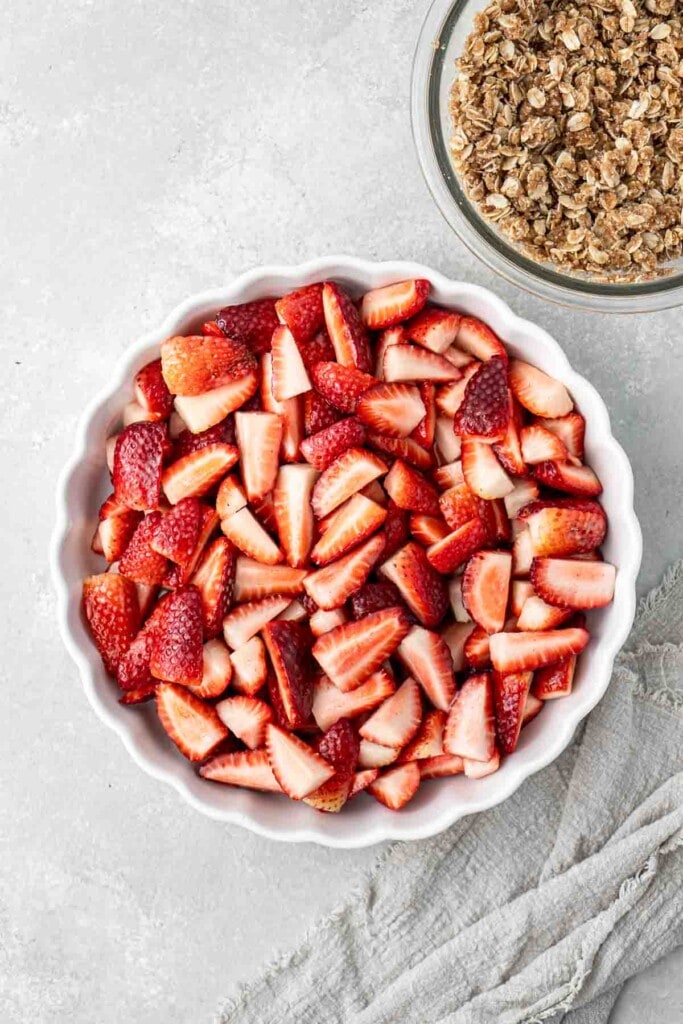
133 672
110 603
478 340
409 489
536 391
434 329
353 522
151 391
520 592
537 615
194 475
427 657
179 574
247 718
449 476
191 723
424 432
293 514
346 329
396 530
254 580
247 534
573 584
201 412
339 747
374 755
217 671
412 363
210 327
552 681
519 652
477 649
318 349
480 769
524 492
140 562
290 411
323 621
422 588
385 307
348 474
459 505
139 696
484 474
450 397
485 588
361 780
177 644
193 365
288 645
448 554
390 336
397 786
404 448
249 667
563 476
302 312
332 585
214 580
258 438
541 445
252 323
373 597
243 622
448 444
509 450
342 386
248 768
264 510
428 529
396 721
484 414
138 461
571 430
522 552
330 703
116 527
318 413
186 442
510 692
393 409
289 376
351 653
177 534
296 766
323 447
565 526
428 742
470 729
230 498
442 766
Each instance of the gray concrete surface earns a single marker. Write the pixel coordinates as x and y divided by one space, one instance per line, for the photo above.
147 150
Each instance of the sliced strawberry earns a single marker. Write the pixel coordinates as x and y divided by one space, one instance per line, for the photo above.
321 449
395 531
450 397
351 653
485 588
458 357
484 414
258 438
217 671
248 768
569 583
374 756
532 707
116 527
330 703
510 692
396 721
230 498
342 386
243 622
293 514
110 603
295 611
428 658
447 441
151 391
393 409
289 376
201 412
571 430
138 461
409 490
397 786
140 562
195 474
428 742
556 680
361 780
385 307
428 529
214 579
247 718
565 527
541 445
346 329
475 338
536 391
331 586
296 766
509 450
373 597
254 580
249 667
456 636
339 747
480 769
520 652
522 552
524 491
177 534
191 723
460 612
564 476
404 448
537 615
470 730
442 766
319 349
323 621
252 323
264 510
390 336
412 363
290 411
449 553
483 473
421 586
177 648
193 365
434 328
477 649
302 312
247 534
355 521
520 591
288 645
424 432
449 476
139 696
186 442
132 671
348 474
318 413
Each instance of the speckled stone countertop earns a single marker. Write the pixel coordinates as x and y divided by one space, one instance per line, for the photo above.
148 150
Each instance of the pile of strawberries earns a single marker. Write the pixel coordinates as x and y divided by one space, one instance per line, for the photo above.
351 545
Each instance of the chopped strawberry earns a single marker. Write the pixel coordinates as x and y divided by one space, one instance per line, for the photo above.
480 769
191 723
186 442
522 552
396 531
509 450
485 588
110 603
556 680
537 615
393 409
427 657
477 649
318 413
484 414
351 653
536 391
460 612
375 756
214 579
434 328
288 645
412 363
132 672
178 574
249 667
295 611
448 443
373 597
353 522
390 336
449 553
330 703
510 692
289 376
570 583
302 312
342 386
396 721
450 397
177 640
386 307
318 349
252 323
140 562
404 448
397 786
339 747
532 706
564 476
138 462
475 338
428 742
258 438
201 412
296 766
323 621
422 588
254 580
348 474
194 475
264 510
442 766
247 534
361 780
470 729
409 490
564 526
193 365
520 652
116 527
520 591
245 621
217 671
293 514
571 430
248 768
332 585
247 718
424 432
428 529
449 476
483 472
541 445
322 448
230 498
455 637
524 492
347 331
177 534
290 411
151 391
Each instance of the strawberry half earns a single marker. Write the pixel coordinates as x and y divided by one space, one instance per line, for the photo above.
347 331
252 323
289 376
348 474
385 307
355 521
339 747
427 657
510 692
373 597
448 443
293 513
247 718
470 729
553 681
214 578
564 476
193 365
412 363
397 786
428 529
571 430
117 524
421 587
297 767
405 448
302 312
288 645
258 438
247 534
478 340
194 475
573 584
321 449
230 498
424 432
249 667
449 553
565 527
485 588
536 615
536 391
442 766
393 409
110 603
428 742
342 386
290 411
201 412
434 328
248 768
191 723
138 461
254 580
332 585
541 445
177 647
330 703
396 721
409 490
151 392
318 413
521 652
390 336
140 562
484 414
351 653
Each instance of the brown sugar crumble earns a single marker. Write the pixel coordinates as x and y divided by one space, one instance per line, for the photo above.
568 131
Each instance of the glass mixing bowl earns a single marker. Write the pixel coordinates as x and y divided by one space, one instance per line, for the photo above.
441 40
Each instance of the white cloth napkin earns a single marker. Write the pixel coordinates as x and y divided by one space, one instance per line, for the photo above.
537 910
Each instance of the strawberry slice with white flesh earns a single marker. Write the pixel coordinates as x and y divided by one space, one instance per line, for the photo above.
405 448
289 376
247 534
523 493
387 306
460 613
396 721
249 667
217 671
200 412
428 529
302 311
553 681
450 397
428 742
478 340
450 475
510 692
470 730
390 336
541 445
565 527
520 592
288 645
355 521
259 435
537 392
532 707
441 767
347 331
361 780
245 621
483 473
412 363
537 615
477 649
116 528
397 786
485 588
434 328
330 703
192 724
570 583
332 585
349 473
571 430
195 474
374 755
484 413
565 476
420 585
247 768
293 513
448 443
247 718
410 490
480 769
455 636
323 621
425 430
230 498
522 652
393 409
340 747
296 766
254 580
350 654
449 553
290 411
509 450
427 657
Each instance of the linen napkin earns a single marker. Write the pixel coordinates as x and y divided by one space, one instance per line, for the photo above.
537 910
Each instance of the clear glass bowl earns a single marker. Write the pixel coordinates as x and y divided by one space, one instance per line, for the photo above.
442 38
